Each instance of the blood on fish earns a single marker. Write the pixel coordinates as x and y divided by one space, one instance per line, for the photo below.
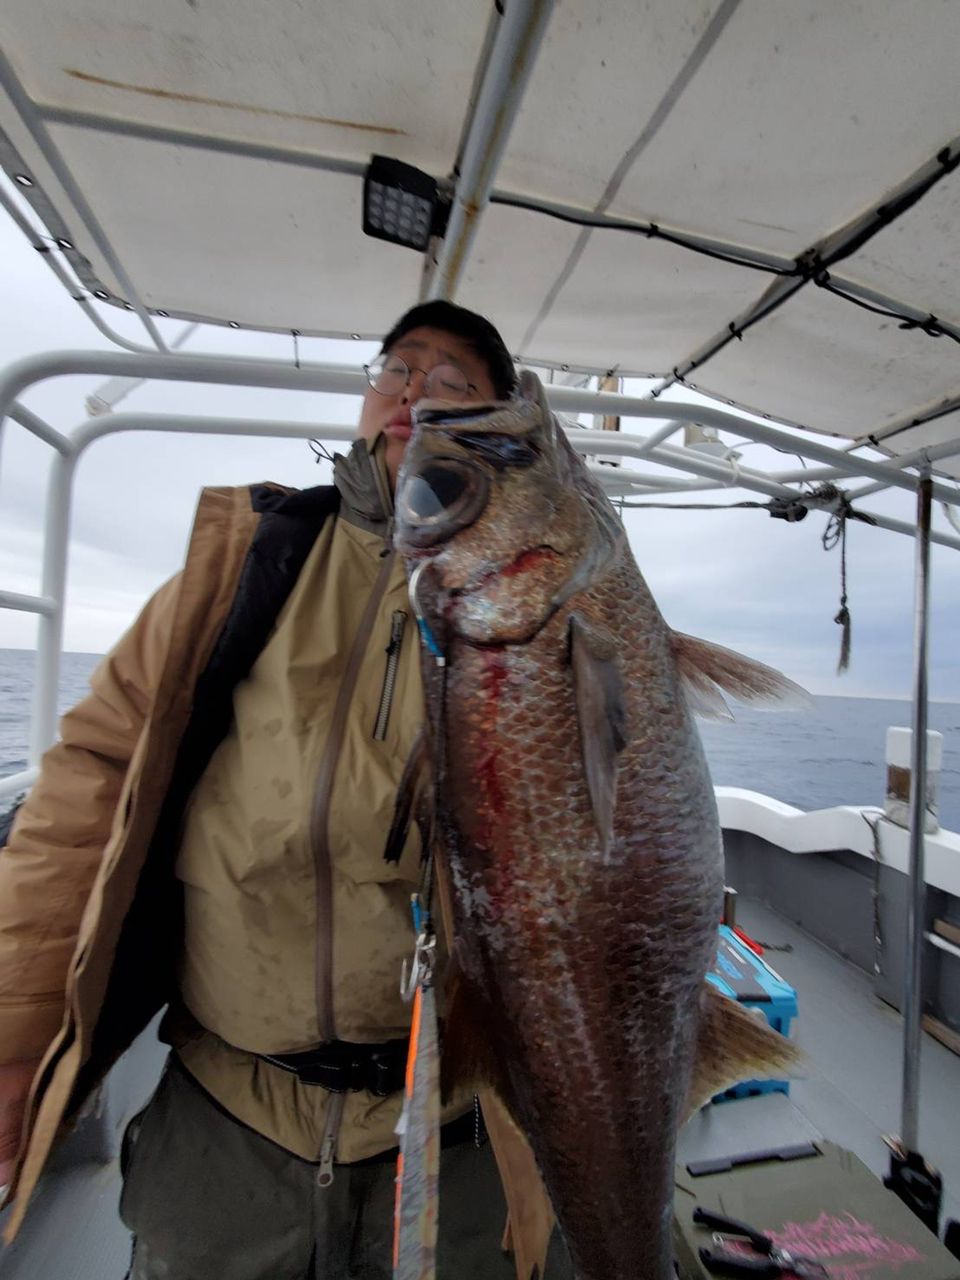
528 560
494 678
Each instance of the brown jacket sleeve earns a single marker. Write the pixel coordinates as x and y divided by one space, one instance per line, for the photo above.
49 866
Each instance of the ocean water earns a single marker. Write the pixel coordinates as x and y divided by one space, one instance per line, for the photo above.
832 754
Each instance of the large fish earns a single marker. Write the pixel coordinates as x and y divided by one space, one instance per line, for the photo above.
575 818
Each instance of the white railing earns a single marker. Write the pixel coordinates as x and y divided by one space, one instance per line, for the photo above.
712 472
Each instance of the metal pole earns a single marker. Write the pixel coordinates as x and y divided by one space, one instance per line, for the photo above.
43 721
573 400
26 109
26 604
517 40
913 991
72 286
231 371
109 394
203 141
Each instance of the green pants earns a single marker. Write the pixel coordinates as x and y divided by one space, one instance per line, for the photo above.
207 1198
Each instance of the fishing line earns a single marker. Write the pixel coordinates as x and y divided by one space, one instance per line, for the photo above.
439 657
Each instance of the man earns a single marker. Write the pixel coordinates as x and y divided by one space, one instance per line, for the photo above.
209 835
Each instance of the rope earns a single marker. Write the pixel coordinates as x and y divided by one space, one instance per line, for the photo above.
874 825
843 615
649 231
930 325
793 510
836 532
320 452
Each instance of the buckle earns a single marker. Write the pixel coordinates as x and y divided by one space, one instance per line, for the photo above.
383 1075
333 1076
347 1068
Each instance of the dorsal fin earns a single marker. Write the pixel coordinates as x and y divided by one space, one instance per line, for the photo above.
601 716
707 671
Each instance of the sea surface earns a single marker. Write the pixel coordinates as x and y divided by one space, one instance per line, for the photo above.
830 755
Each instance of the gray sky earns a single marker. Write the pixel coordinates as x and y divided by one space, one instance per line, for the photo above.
739 578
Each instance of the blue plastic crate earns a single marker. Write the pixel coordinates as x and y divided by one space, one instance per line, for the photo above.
746 977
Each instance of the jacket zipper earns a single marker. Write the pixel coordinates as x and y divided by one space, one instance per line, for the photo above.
328 1144
320 815
397 624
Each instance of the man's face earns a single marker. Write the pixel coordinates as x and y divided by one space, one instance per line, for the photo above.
422 349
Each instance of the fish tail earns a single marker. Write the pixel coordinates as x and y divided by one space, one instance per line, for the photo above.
735 1044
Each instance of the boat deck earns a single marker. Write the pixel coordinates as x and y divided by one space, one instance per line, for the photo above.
850 1094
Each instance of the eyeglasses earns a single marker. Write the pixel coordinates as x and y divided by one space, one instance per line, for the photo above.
389 375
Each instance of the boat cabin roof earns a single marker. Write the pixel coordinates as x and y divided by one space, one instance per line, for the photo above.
755 199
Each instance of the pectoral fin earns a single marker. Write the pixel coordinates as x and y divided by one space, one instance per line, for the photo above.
601 716
707 671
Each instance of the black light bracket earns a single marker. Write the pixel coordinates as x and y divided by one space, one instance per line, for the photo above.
403 205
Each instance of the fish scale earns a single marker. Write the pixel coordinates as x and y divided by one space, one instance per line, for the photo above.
596 1050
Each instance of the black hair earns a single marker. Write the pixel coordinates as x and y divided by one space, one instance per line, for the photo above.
472 328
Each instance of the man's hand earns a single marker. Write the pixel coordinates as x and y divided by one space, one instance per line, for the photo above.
15 1081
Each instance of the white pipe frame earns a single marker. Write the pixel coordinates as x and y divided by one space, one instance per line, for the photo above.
72 286
27 111
515 45
913 975
711 472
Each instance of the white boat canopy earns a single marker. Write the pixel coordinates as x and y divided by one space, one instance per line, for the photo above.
753 198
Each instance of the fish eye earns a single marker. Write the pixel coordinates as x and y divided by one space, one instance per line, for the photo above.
439 497
433 490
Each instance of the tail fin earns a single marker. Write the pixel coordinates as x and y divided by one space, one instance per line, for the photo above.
735 1044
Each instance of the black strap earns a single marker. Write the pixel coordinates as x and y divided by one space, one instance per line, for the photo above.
342 1067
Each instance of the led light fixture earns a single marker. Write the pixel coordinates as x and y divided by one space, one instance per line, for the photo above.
402 204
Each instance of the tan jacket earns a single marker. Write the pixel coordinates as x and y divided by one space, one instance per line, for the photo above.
77 887
296 926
